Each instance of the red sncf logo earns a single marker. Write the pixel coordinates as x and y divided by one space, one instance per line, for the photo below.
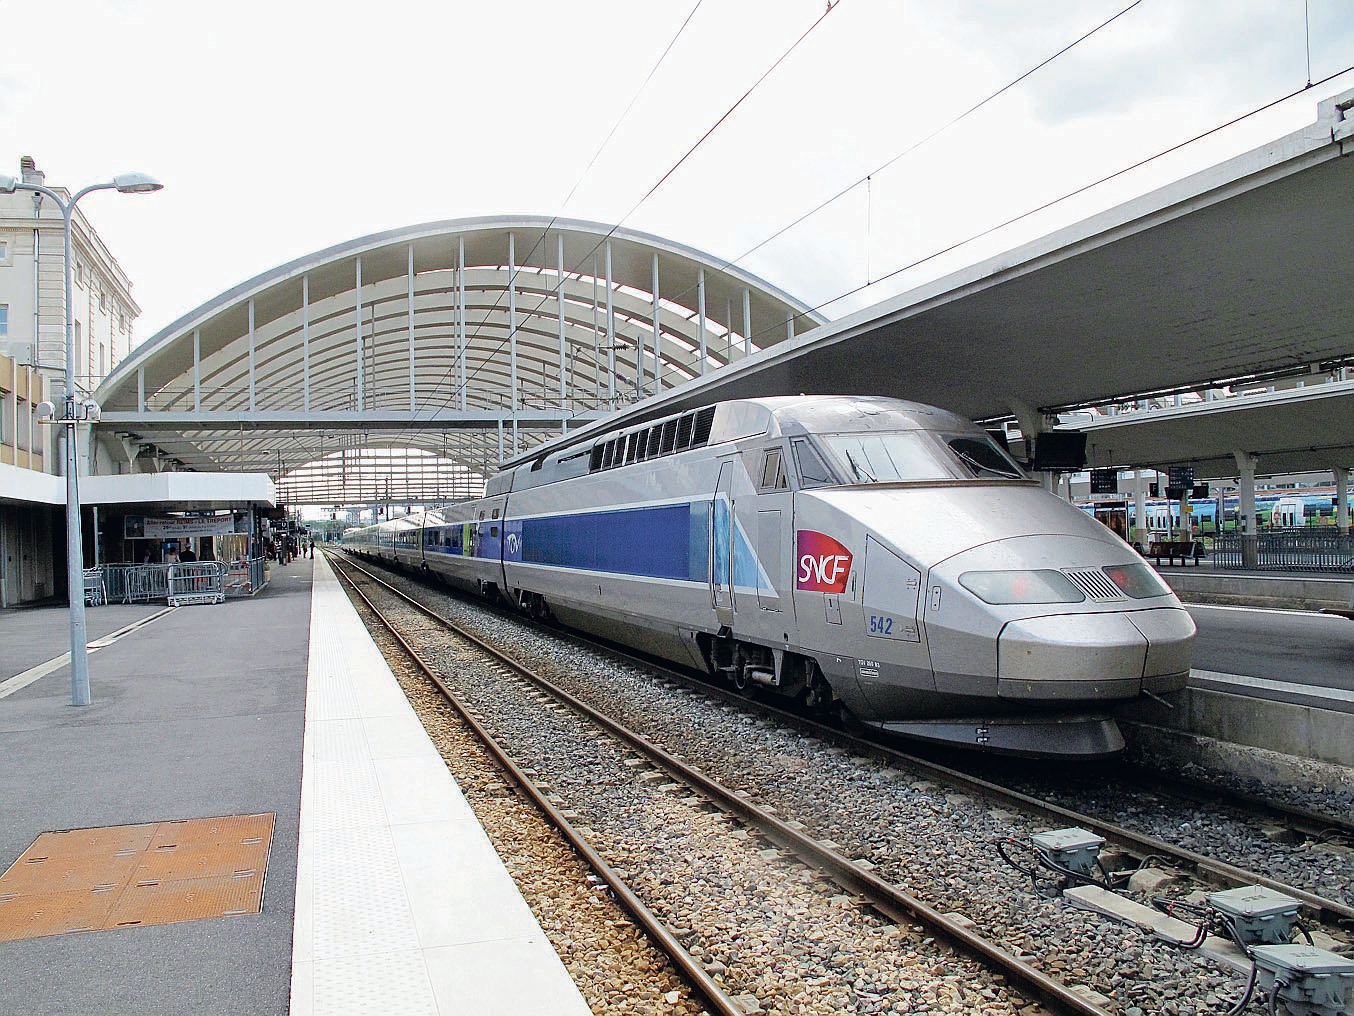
823 564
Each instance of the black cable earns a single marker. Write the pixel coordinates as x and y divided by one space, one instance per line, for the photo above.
830 7
1250 990
659 183
934 134
1080 190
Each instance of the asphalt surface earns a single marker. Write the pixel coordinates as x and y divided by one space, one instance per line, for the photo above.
199 714
1278 645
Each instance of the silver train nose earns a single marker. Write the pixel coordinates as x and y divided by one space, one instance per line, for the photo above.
1094 656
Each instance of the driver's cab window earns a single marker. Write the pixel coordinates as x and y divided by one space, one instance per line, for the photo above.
773 471
813 471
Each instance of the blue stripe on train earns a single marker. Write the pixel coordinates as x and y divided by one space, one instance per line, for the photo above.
669 542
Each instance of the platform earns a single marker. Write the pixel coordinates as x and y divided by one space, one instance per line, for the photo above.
276 705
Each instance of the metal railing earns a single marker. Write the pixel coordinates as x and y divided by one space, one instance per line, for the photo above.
136 583
196 582
245 578
1303 549
147 583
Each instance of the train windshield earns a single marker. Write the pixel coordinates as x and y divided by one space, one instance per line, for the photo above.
982 456
918 455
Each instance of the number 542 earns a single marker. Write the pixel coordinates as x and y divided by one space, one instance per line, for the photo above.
881 625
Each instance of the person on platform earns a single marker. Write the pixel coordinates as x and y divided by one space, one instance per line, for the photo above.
312 548
189 555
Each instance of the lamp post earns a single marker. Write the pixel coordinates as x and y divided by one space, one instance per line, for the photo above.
76 412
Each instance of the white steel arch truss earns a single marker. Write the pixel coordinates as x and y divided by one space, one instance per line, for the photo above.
467 342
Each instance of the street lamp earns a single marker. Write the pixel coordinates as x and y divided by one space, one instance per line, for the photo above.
77 412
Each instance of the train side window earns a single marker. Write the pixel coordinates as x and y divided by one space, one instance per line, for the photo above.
630 444
813 471
669 438
495 513
481 515
654 434
684 430
773 471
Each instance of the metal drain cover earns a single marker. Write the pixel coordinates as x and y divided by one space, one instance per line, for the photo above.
126 876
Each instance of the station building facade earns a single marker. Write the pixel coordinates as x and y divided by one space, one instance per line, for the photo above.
33 365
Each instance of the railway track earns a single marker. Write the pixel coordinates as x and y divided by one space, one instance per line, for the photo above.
1133 844
990 906
786 837
715 997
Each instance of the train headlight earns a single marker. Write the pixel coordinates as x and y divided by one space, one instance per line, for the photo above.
1137 580
1041 586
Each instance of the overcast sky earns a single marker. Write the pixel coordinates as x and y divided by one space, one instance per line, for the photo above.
283 127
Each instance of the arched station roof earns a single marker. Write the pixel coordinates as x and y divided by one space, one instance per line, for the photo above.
452 343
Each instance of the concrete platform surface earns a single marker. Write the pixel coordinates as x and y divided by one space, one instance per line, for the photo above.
280 704
402 904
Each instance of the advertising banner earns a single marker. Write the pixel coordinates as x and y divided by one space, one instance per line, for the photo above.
173 527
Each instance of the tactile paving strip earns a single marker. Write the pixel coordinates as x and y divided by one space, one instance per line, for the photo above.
126 876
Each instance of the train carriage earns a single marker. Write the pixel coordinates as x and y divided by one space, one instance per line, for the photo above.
879 557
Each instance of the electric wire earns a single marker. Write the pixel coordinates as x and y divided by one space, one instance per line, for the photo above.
446 376
854 290
653 189
885 165
1070 194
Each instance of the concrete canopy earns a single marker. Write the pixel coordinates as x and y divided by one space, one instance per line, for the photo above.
457 342
1296 431
1235 272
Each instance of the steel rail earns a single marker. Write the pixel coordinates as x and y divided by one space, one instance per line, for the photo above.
647 919
886 898
1310 823
1322 909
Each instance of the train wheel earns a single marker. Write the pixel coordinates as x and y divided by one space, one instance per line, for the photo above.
850 723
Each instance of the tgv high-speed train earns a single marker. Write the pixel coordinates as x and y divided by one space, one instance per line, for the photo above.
882 558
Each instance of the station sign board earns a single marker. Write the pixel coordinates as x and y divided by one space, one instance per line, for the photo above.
1104 481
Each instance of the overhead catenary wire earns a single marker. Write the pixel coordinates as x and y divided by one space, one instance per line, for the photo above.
662 57
929 257
653 189
1035 68
854 290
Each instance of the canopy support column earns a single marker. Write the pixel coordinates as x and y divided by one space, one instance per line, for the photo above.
700 311
747 321
197 370
1250 542
413 395
512 332
563 352
358 364
610 334
657 332
252 358
305 341
1342 500
460 313
1141 532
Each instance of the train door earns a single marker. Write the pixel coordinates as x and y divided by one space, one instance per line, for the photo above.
774 523
892 587
721 547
